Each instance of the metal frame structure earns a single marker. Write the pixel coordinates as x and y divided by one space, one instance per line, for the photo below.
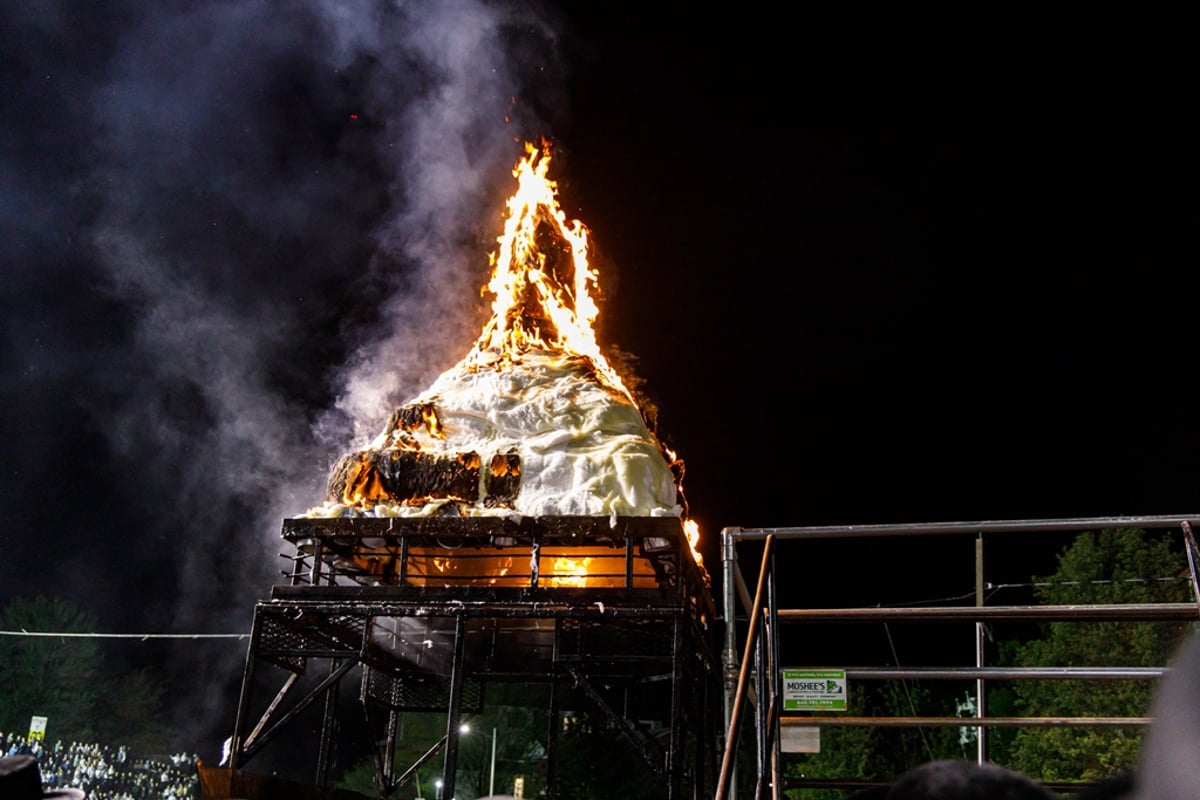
427 612
754 675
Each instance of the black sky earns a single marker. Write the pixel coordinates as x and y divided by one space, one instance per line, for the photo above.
901 285
869 279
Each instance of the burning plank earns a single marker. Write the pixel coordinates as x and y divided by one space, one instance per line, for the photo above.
412 478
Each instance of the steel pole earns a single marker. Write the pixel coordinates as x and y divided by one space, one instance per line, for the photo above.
980 732
729 661
492 778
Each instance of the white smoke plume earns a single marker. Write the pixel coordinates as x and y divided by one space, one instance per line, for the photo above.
236 234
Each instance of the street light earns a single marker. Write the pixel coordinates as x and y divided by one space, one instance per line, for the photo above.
492 775
437 789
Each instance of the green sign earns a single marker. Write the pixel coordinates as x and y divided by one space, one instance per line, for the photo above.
814 690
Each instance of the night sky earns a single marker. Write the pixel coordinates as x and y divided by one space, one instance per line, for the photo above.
868 279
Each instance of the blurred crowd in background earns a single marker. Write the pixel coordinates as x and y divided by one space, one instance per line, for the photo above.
107 772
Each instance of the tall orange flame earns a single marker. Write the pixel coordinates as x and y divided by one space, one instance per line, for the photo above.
541 279
542 285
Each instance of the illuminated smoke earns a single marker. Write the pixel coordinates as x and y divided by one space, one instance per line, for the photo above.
237 234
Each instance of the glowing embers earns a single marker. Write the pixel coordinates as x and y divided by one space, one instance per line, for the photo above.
691 529
412 427
523 565
455 553
399 477
571 571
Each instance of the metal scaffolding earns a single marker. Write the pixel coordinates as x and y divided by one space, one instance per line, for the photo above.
751 660
427 613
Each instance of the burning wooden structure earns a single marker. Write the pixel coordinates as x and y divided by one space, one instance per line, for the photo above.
426 613
517 522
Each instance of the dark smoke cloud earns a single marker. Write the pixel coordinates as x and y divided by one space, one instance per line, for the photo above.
235 235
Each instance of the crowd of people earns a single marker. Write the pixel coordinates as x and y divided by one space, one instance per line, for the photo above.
105 772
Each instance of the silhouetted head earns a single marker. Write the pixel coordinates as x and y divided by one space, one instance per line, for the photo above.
1118 787
1169 768
965 780
21 779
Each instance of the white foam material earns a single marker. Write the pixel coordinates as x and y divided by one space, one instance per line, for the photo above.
584 447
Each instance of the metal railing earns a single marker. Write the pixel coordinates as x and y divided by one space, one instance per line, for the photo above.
500 552
754 675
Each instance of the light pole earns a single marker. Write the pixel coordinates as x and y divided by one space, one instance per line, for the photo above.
492 773
437 789
492 777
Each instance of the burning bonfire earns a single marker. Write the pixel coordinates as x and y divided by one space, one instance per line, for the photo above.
534 421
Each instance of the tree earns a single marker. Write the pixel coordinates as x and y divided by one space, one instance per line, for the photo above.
875 753
63 678
520 732
53 677
131 712
1109 566
418 731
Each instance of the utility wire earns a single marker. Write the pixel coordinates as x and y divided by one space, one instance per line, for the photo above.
907 694
995 587
927 601
1168 579
142 636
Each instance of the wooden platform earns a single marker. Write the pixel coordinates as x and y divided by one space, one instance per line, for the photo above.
221 783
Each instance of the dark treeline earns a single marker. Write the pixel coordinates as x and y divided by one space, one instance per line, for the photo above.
72 682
